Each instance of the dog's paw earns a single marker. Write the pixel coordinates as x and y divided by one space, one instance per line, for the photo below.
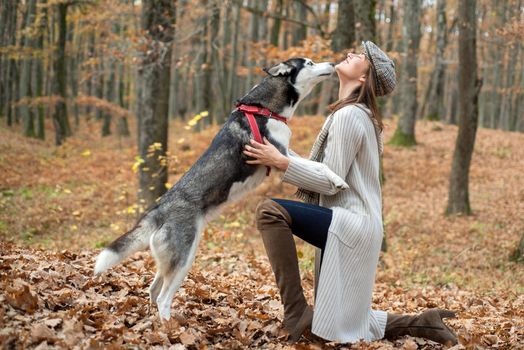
164 310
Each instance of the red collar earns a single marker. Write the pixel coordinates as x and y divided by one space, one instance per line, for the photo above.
249 112
261 111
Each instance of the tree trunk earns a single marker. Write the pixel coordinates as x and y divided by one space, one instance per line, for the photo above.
38 73
158 19
498 69
25 91
405 132
344 34
365 20
275 29
109 97
469 86
212 76
506 113
435 101
300 33
123 127
60 118
391 29
253 38
73 62
231 85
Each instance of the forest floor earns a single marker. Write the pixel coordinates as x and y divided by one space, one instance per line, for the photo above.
59 206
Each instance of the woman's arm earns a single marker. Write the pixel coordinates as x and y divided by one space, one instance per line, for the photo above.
344 140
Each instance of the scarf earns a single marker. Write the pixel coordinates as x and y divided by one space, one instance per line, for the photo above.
317 153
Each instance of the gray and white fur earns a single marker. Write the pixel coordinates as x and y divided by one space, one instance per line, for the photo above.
172 227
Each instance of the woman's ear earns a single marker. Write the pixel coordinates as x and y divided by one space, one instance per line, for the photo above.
362 78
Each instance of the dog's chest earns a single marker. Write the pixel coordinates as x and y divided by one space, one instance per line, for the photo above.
276 132
279 132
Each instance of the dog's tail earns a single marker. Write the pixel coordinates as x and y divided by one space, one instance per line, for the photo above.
130 242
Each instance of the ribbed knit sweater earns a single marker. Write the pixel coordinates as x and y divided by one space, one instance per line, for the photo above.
343 310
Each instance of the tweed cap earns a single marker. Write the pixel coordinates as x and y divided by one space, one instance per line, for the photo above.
383 66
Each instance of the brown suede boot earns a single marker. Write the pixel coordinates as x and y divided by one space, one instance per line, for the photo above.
427 325
273 222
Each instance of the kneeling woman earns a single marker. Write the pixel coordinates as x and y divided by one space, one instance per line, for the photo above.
345 225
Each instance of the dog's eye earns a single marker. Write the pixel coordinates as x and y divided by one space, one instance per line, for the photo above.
309 63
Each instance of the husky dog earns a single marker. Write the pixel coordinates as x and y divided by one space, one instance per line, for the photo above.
172 227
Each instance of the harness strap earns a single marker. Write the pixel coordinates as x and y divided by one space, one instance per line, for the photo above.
249 112
256 133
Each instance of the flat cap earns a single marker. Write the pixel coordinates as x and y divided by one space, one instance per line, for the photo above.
384 68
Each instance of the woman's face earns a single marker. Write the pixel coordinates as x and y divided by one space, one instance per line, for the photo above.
353 68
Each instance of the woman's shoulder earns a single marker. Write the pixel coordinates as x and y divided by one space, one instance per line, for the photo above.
352 113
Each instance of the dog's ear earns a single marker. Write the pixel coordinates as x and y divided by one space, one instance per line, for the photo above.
282 69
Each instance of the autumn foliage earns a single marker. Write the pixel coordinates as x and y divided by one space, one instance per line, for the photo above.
58 206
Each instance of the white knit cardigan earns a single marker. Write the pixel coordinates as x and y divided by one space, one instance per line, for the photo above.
343 310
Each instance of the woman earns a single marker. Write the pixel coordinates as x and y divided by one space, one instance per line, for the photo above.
345 225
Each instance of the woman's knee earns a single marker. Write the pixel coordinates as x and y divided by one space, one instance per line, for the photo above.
269 212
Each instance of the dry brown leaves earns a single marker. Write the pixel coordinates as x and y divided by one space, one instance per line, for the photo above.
228 301
78 196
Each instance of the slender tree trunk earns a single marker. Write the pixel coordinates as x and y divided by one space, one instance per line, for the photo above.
123 127
60 117
300 33
158 19
405 133
344 34
73 62
498 69
223 71
25 91
109 97
365 20
435 102
506 113
38 73
275 29
253 38
91 82
469 86
231 86
391 27
263 31
213 61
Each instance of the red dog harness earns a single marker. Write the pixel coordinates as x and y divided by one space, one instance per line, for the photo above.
249 112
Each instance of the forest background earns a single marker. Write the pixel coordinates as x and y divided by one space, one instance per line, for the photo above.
104 104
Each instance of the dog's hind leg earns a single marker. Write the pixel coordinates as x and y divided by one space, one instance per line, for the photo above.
174 252
156 287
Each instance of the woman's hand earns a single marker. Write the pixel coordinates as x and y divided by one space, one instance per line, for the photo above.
266 154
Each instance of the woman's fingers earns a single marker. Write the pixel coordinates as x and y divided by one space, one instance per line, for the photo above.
255 144
251 151
256 161
251 154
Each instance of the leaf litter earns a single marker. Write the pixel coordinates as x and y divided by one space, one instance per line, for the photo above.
50 299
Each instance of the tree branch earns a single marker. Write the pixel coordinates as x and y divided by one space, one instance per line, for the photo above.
283 18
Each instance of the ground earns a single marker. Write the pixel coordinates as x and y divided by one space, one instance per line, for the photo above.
59 206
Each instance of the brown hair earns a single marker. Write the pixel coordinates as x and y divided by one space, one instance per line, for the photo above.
364 94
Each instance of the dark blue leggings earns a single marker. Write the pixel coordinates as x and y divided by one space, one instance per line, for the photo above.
308 221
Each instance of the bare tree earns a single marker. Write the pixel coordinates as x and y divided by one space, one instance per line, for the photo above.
344 33
469 86
158 19
365 20
434 109
405 133
60 117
